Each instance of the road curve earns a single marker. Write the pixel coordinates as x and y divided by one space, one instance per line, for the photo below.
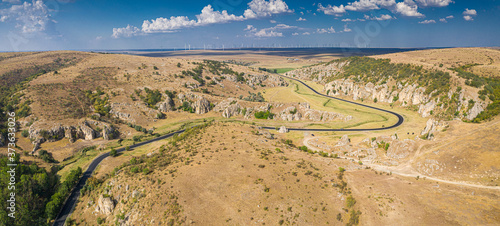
75 193
400 117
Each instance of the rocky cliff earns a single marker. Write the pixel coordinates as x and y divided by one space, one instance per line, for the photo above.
40 132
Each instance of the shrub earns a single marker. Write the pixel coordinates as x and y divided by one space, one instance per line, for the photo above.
113 153
25 133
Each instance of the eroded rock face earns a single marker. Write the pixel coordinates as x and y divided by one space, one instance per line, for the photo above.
475 110
83 130
165 105
201 106
431 127
401 149
228 108
344 141
283 129
105 205
407 95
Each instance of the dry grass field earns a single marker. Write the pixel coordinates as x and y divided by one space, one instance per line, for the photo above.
442 59
225 174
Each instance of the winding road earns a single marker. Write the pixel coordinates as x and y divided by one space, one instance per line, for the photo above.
75 193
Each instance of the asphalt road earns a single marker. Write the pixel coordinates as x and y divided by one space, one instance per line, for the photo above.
400 117
75 193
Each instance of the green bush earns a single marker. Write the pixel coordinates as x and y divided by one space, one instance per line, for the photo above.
264 115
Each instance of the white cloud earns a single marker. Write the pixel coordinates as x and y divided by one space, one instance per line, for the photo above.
12 1
346 29
469 14
468 18
323 30
366 5
273 21
257 9
262 8
30 17
301 19
128 31
306 33
295 34
450 17
98 38
434 3
443 20
267 32
427 22
383 17
209 16
408 9
332 10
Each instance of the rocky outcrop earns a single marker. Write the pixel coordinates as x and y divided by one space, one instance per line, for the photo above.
105 205
165 106
343 141
400 149
86 129
283 129
475 110
431 127
201 106
426 110
229 107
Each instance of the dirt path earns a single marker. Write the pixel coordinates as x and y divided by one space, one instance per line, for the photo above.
403 170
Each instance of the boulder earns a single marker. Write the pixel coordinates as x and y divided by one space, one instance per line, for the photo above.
283 129
201 106
86 131
105 205
233 109
344 141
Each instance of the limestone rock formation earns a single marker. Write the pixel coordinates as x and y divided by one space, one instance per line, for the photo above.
228 107
165 105
105 205
344 141
283 129
201 106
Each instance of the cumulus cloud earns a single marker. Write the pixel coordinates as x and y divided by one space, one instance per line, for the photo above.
332 10
450 17
273 21
434 3
275 31
408 8
443 20
346 29
12 1
469 14
366 5
301 19
295 34
427 22
128 31
257 9
327 30
30 17
263 8
383 17
306 33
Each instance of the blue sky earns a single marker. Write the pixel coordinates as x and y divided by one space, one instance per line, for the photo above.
126 24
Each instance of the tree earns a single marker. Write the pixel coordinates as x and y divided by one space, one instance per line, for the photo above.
113 152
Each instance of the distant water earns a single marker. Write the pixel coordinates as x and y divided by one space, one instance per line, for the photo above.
334 51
